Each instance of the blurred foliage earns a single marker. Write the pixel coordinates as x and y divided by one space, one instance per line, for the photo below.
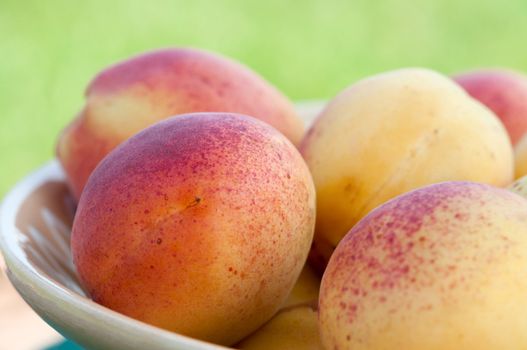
310 49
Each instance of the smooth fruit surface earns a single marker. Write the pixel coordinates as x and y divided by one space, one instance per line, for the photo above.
392 133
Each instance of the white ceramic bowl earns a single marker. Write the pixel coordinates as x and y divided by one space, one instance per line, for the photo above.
35 224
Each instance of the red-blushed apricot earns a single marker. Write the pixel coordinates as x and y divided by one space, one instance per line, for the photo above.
199 224
442 267
129 96
502 91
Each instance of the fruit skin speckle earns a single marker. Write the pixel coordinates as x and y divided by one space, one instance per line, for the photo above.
194 225
441 267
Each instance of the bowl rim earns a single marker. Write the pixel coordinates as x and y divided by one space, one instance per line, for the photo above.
18 265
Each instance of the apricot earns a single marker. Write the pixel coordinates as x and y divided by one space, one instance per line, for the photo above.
199 224
439 268
392 133
131 95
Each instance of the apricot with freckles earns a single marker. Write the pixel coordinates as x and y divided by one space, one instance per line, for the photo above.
439 268
199 224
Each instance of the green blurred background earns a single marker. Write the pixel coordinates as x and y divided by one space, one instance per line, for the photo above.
310 49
